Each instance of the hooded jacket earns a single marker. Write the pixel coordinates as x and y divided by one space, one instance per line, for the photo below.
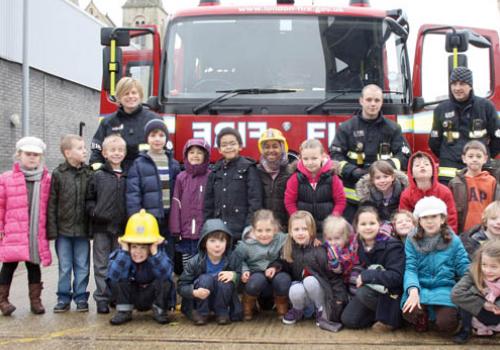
14 217
366 191
472 239
412 194
327 197
234 193
197 265
485 190
186 211
253 256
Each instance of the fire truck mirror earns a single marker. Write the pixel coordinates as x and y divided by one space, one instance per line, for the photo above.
122 37
478 40
457 39
108 67
391 26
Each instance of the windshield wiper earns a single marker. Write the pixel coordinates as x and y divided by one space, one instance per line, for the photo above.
342 93
227 94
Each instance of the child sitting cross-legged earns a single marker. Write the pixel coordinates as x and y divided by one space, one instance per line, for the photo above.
140 274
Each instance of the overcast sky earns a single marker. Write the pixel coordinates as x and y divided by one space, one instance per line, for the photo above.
484 13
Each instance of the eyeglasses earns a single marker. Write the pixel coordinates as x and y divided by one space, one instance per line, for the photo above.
229 144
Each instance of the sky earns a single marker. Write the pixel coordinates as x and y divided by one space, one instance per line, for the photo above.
484 13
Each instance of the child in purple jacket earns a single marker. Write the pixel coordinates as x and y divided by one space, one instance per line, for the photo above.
186 212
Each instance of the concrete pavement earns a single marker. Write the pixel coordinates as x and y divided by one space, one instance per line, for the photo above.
73 330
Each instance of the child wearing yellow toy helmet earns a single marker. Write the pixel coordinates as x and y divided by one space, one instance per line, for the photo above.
140 274
274 172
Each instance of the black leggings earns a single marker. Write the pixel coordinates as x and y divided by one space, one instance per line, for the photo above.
7 272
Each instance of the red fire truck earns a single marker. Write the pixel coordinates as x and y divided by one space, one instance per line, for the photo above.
299 69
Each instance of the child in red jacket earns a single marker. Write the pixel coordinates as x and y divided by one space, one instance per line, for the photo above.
423 182
315 186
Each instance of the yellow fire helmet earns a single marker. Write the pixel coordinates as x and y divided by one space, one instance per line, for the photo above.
272 134
142 228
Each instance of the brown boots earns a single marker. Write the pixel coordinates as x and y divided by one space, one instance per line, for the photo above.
248 306
5 306
281 303
35 291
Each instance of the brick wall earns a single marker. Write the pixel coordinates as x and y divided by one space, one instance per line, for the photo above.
57 106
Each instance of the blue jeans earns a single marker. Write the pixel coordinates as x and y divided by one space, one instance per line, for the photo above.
220 295
74 255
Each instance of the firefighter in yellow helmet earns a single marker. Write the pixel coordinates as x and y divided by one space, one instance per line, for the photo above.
274 172
140 272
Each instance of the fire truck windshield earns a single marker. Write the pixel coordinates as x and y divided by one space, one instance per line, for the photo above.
314 55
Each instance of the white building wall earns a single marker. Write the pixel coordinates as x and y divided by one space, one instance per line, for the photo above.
63 40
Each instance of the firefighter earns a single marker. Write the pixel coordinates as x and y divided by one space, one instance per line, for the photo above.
462 118
366 137
128 121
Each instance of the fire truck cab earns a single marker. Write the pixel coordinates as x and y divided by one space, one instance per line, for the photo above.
299 69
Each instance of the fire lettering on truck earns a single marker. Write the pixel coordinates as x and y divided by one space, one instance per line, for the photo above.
316 130
208 130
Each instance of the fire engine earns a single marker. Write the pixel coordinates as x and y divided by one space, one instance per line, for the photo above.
299 69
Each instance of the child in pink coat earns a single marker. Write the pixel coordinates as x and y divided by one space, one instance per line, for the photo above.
24 194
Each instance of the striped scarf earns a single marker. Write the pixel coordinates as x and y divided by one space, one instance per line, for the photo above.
161 162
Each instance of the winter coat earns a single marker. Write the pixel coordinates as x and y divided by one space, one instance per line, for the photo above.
314 261
273 191
14 217
234 193
253 256
105 201
129 126
390 254
144 189
186 211
197 266
370 135
462 195
466 295
412 194
327 197
366 191
473 239
476 113
66 212
156 267
434 273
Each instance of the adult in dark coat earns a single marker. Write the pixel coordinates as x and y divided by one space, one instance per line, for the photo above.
462 118
128 121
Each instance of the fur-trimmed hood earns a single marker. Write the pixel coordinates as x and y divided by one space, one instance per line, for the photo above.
364 186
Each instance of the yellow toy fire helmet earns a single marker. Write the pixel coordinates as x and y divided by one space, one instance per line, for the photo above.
142 228
272 135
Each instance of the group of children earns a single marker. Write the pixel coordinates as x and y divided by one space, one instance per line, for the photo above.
400 259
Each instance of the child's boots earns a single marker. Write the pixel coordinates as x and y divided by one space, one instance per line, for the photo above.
5 306
35 291
248 306
281 303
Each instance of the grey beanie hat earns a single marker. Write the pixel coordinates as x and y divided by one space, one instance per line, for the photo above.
461 74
